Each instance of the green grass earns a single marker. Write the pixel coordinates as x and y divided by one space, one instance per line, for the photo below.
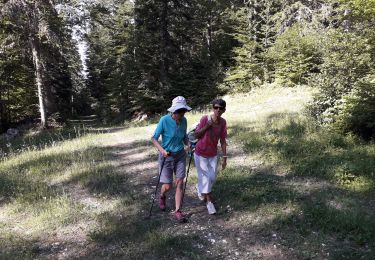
307 150
299 187
39 187
133 237
312 181
34 186
37 140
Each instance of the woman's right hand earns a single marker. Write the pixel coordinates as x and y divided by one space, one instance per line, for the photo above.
209 123
165 153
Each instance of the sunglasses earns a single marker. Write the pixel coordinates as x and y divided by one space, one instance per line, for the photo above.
220 108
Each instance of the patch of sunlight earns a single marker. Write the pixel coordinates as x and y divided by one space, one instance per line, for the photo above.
268 98
244 108
305 186
360 184
337 205
140 133
56 212
70 146
50 214
260 103
75 169
267 214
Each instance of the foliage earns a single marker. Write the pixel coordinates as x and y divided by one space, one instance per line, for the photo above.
39 46
362 9
191 52
289 182
356 111
16 103
256 31
296 54
247 71
141 54
346 79
347 61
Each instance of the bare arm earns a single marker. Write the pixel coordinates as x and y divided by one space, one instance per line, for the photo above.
159 147
198 134
224 150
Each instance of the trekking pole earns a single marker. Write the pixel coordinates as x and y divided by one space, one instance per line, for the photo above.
187 176
157 185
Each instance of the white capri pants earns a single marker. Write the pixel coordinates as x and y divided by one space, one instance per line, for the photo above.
207 171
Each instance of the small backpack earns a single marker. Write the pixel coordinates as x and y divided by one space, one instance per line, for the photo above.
191 133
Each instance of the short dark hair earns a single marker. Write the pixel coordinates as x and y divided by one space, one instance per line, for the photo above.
181 110
219 101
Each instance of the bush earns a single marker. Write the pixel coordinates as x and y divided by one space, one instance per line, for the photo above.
356 112
344 82
296 54
248 69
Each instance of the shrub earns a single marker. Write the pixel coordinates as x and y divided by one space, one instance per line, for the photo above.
346 60
295 54
356 112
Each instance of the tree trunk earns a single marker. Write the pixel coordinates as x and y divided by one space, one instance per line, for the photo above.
209 35
163 43
347 23
209 29
39 82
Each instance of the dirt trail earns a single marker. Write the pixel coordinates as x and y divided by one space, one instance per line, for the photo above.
225 235
224 238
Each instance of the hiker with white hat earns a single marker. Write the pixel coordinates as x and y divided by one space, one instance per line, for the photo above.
172 155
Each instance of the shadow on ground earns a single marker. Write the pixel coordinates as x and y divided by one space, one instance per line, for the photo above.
303 211
124 175
321 205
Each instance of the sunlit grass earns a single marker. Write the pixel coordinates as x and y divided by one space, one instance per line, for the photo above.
292 149
299 185
64 182
35 185
52 214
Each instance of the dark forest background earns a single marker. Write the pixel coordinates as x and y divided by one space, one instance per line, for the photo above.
118 59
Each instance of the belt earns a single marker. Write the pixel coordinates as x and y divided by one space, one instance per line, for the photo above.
177 154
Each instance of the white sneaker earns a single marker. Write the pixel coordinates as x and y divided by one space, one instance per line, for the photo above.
211 208
200 196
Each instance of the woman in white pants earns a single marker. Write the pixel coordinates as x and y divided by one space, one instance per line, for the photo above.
210 130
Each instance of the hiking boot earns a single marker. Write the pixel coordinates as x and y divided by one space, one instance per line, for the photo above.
179 216
162 204
211 208
200 196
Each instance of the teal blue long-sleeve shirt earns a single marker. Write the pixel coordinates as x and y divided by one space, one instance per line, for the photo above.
173 135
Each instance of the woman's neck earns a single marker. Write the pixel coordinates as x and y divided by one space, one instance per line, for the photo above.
176 118
215 118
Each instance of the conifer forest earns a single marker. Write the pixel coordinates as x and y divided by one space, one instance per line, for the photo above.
83 84
120 59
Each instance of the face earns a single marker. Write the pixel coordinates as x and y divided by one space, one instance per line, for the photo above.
218 110
179 113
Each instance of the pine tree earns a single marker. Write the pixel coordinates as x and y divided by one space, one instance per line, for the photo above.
36 26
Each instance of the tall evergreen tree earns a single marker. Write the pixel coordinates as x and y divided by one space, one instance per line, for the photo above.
17 101
35 25
183 46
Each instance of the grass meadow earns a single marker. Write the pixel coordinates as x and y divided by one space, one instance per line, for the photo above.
292 190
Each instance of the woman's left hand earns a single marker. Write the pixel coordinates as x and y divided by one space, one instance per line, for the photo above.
224 164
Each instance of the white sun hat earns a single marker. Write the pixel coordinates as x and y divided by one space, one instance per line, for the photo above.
179 103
